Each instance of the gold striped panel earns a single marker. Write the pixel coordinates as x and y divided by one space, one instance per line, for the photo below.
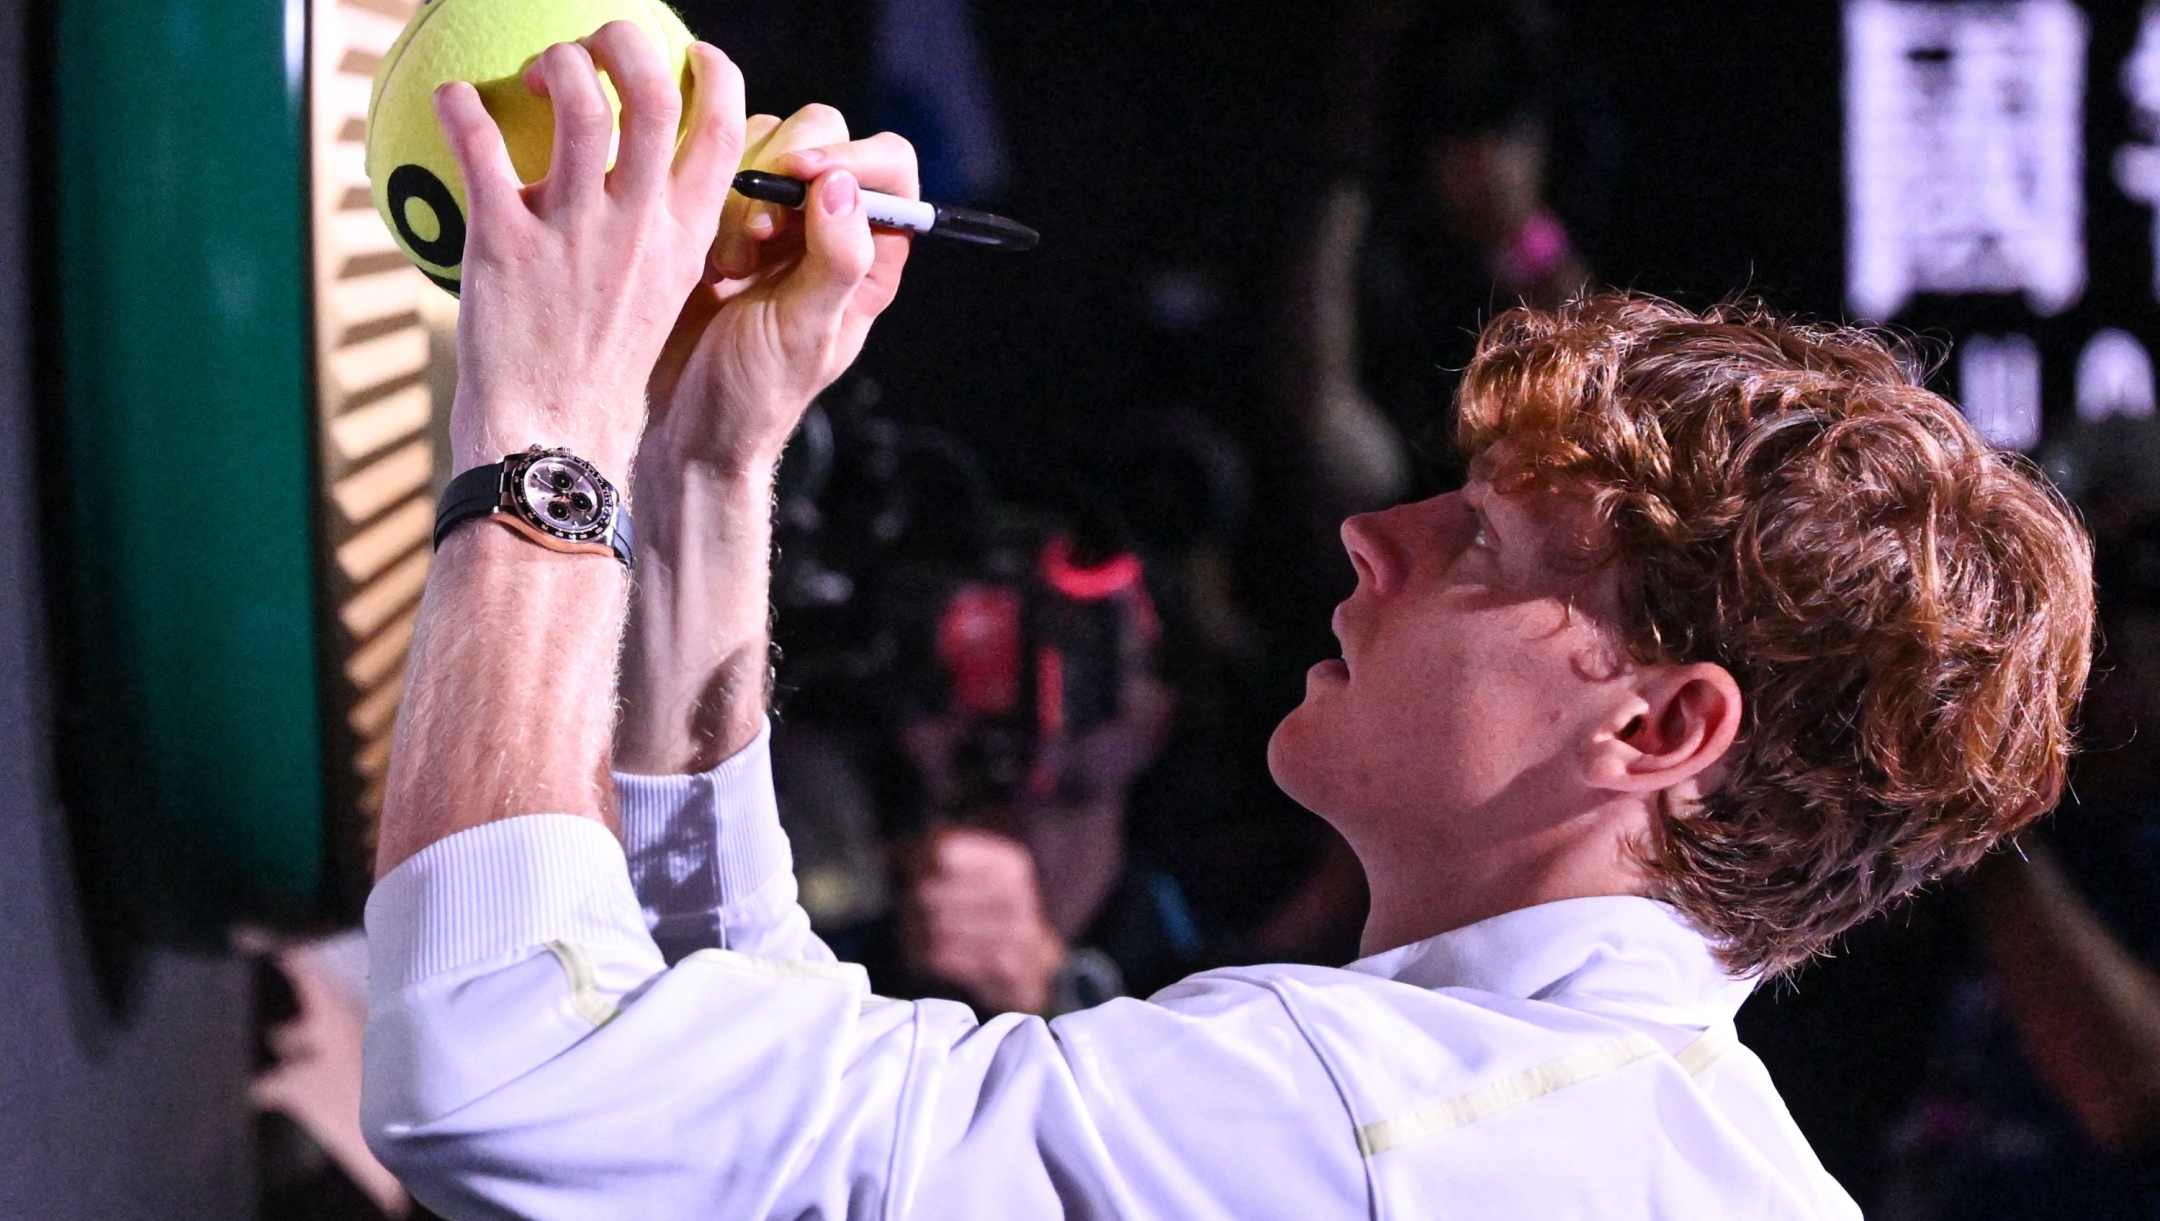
377 380
1531 1084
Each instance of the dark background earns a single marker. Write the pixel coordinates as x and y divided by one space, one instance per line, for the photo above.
1196 137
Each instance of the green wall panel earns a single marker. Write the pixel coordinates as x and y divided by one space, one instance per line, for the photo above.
185 596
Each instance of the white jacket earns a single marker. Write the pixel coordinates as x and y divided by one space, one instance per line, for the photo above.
558 1029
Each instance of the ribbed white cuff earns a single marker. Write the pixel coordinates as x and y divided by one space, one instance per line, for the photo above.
699 843
498 888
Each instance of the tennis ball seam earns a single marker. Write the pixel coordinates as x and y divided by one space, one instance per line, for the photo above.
658 10
391 59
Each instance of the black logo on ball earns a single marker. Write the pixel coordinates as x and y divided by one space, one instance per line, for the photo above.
410 182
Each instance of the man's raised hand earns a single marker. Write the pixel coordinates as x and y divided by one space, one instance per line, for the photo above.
789 296
786 301
572 284
570 288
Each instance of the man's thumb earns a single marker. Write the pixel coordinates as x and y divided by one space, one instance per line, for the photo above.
837 250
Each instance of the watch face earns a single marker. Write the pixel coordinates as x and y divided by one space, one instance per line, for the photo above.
566 497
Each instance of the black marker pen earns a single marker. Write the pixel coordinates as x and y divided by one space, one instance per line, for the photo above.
893 212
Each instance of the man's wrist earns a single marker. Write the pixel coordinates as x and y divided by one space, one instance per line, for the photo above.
726 437
693 505
695 668
612 461
606 435
491 543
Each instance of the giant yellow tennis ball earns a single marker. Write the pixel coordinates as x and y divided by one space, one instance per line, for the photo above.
414 175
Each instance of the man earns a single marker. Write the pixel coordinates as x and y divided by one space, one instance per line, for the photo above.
1736 636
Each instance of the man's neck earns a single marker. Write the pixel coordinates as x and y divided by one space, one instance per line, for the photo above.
1436 887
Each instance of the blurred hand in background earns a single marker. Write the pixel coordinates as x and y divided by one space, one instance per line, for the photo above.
973 919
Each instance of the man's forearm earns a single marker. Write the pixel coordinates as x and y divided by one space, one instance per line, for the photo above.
508 691
747 354
697 659
568 288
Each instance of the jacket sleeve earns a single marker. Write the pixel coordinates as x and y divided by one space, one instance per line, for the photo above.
710 864
532 1054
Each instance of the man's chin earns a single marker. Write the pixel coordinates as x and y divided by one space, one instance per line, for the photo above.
1292 752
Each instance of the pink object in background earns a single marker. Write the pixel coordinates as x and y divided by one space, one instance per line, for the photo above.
1541 247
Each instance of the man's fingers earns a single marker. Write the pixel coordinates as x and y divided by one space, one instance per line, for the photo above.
757 133
834 260
883 162
584 124
651 105
715 131
491 181
813 126
734 255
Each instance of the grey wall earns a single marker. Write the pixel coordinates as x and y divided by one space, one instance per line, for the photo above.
97 1119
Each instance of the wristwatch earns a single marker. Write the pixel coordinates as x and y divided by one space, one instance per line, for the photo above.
550 496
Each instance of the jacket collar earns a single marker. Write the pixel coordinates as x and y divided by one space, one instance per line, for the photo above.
1610 953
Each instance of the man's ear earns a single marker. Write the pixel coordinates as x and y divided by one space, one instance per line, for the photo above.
1675 723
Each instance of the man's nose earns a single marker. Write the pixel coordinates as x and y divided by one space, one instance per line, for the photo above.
1383 545
1374 549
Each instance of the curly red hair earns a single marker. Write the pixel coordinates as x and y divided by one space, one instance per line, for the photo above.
1908 612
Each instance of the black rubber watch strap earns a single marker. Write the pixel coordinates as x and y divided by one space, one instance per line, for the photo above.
475 493
478 492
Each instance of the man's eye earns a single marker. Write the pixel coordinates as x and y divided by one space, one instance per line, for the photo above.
1484 536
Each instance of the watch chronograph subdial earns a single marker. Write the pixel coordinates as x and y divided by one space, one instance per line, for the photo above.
564 497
